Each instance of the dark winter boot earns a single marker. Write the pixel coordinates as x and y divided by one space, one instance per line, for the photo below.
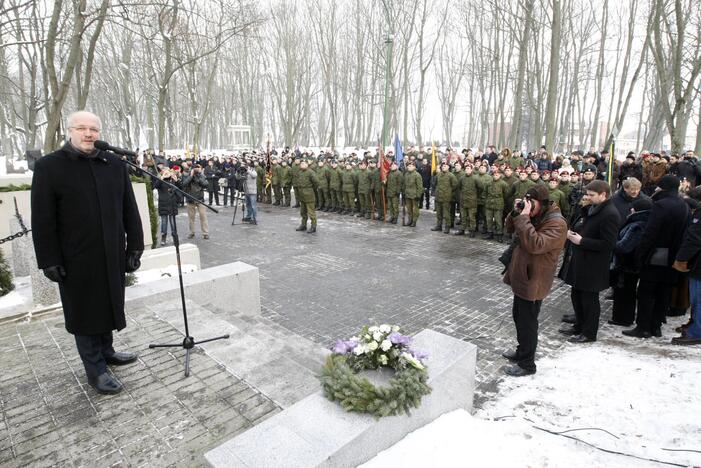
446 230
460 232
302 227
500 238
312 229
413 224
438 227
488 236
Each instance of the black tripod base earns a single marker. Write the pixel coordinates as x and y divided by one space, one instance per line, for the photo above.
187 344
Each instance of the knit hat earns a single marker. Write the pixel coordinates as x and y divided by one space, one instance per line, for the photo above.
539 192
642 204
668 182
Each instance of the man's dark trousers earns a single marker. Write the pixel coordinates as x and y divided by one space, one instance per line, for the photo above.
587 311
93 350
525 315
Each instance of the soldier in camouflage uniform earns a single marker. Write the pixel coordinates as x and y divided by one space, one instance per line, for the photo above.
335 193
324 199
497 192
413 191
260 182
277 182
348 184
294 171
557 197
445 187
364 183
455 204
394 188
468 191
484 178
286 181
307 185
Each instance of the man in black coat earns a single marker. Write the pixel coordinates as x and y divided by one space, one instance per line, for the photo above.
87 233
593 240
655 254
625 196
425 170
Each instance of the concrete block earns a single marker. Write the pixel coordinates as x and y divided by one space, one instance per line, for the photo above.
22 255
142 203
165 256
232 287
44 291
316 432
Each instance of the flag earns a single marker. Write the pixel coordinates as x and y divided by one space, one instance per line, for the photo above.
610 168
434 159
268 167
384 163
398 153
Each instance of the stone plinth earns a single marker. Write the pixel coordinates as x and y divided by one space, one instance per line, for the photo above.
316 432
233 287
22 255
44 291
165 256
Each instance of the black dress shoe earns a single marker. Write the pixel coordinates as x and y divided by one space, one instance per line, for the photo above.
581 339
120 359
619 323
657 332
510 355
637 333
569 318
105 384
518 371
568 330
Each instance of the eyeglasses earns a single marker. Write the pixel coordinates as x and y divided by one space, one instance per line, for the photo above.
83 129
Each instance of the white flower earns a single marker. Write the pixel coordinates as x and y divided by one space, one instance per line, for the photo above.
372 346
358 350
383 359
413 361
385 328
386 345
373 329
395 328
354 338
367 337
377 336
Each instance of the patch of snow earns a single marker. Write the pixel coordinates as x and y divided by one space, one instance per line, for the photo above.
20 296
637 397
171 271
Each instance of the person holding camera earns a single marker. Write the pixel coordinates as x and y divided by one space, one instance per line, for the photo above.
539 234
251 193
194 184
167 201
87 233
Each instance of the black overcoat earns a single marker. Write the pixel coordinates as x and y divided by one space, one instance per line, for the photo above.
85 217
589 264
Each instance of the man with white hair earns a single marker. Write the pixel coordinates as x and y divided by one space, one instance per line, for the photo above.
87 233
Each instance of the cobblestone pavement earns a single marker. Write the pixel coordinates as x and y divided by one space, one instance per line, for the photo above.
355 271
51 417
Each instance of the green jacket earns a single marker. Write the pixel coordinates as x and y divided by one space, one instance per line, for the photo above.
445 185
323 174
413 185
348 181
294 171
307 184
335 176
469 190
364 181
520 187
375 180
483 180
277 173
497 192
285 176
456 192
515 162
560 199
260 180
394 183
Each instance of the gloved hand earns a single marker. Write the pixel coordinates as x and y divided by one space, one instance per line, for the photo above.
133 261
55 273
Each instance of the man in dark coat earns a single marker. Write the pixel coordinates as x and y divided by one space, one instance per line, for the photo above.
655 254
593 240
625 196
87 233
539 234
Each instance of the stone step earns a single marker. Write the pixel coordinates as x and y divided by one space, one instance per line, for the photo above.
280 364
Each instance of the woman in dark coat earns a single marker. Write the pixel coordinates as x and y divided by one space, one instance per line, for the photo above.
593 240
168 201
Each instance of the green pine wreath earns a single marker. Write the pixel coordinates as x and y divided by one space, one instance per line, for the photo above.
375 348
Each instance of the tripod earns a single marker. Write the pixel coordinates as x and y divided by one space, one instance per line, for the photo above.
188 342
238 198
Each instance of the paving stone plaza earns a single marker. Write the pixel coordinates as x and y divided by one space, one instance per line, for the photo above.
319 286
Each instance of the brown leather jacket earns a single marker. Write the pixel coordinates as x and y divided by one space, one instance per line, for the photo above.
532 268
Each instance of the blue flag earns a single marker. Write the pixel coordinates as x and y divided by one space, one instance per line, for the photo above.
398 153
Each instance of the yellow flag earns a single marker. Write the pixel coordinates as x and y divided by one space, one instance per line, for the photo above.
434 159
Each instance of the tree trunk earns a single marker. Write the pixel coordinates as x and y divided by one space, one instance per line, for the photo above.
551 104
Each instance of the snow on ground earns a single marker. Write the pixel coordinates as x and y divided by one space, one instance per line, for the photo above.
636 397
17 300
171 271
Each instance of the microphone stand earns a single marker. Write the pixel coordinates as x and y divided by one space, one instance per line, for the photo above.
188 342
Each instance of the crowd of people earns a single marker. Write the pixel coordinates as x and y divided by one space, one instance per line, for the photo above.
621 224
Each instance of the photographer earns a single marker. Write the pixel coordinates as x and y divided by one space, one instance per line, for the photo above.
539 232
212 174
167 201
194 183
251 192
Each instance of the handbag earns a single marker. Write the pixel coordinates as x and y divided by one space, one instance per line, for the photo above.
659 257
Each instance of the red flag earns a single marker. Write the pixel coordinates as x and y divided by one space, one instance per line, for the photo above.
384 165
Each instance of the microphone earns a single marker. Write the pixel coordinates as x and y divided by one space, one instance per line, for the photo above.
103 145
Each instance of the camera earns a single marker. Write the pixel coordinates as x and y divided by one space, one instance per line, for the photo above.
521 205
